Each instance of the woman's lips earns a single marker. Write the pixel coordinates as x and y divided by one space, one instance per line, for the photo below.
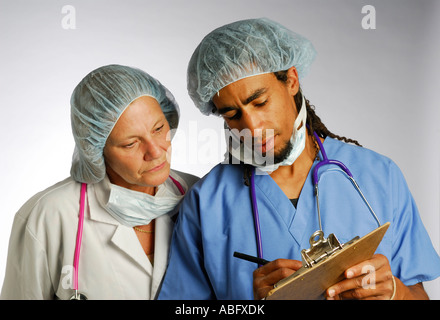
157 168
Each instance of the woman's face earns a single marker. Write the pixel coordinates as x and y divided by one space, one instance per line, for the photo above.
138 151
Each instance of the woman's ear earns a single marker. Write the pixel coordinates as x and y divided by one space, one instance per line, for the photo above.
292 80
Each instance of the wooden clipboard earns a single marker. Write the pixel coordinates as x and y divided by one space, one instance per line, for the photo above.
311 283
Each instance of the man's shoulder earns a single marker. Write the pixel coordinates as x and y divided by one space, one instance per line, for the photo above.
221 174
338 147
361 160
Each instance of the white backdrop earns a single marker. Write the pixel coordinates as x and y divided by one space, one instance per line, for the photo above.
379 86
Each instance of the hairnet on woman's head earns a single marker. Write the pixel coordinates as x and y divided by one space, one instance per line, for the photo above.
242 49
96 105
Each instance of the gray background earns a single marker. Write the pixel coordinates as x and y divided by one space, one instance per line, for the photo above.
377 86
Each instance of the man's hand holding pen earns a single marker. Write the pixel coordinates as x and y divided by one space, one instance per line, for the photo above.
267 275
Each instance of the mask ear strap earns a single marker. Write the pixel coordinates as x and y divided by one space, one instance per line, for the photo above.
302 115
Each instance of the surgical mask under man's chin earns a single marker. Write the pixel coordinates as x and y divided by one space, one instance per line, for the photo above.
268 162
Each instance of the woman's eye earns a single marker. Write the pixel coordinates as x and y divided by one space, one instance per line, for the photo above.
129 145
159 128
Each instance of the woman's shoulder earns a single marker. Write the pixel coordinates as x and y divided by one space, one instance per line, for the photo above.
50 198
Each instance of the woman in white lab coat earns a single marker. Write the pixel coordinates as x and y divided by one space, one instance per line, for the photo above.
122 122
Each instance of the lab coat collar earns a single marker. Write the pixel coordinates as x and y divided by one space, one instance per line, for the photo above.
162 241
125 238
101 192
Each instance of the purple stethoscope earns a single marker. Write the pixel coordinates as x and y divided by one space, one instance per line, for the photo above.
77 295
315 178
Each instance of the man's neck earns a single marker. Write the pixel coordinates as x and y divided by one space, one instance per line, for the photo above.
291 178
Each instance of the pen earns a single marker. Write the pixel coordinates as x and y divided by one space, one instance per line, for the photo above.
250 258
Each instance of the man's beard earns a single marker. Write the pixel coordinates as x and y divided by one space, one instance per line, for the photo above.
283 154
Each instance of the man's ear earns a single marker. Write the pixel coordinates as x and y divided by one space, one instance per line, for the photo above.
292 80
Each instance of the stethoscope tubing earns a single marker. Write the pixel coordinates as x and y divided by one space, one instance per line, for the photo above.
315 178
344 168
326 161
256 215
79 236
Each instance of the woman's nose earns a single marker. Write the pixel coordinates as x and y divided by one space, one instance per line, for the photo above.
152 151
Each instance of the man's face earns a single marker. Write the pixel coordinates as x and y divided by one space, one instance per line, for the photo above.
265 107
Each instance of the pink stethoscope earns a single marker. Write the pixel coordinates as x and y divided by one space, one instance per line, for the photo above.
77 295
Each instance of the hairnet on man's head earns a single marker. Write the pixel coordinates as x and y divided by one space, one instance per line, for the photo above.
96 105
242 49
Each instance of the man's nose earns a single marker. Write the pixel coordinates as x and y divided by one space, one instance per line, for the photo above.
253 122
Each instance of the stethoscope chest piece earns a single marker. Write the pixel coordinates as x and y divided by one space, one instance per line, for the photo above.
78 296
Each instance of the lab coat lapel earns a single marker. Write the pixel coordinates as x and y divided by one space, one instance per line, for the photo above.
125 239
98 194
164 228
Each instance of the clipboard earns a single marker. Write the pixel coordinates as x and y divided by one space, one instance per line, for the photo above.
312 280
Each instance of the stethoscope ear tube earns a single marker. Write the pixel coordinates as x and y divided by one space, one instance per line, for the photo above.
344 168
365 200
77 295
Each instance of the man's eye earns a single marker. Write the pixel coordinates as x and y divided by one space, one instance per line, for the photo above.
232 115
261 104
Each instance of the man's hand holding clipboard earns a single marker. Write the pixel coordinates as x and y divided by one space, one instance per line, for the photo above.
336 274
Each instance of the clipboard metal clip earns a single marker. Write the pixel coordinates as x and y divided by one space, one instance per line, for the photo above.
321 248
324 265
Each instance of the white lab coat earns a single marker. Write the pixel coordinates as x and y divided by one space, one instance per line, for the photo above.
112 263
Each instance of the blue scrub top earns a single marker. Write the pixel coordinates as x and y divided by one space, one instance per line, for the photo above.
216 219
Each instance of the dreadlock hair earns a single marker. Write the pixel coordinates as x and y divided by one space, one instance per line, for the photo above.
314 122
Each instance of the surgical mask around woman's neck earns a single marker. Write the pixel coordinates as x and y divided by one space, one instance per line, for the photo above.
245 154
133 208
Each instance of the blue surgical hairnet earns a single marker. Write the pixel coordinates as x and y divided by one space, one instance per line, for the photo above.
96 105
242 49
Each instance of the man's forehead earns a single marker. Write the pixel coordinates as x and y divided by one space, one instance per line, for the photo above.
247 89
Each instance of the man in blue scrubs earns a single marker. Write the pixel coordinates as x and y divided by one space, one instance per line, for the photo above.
249 73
